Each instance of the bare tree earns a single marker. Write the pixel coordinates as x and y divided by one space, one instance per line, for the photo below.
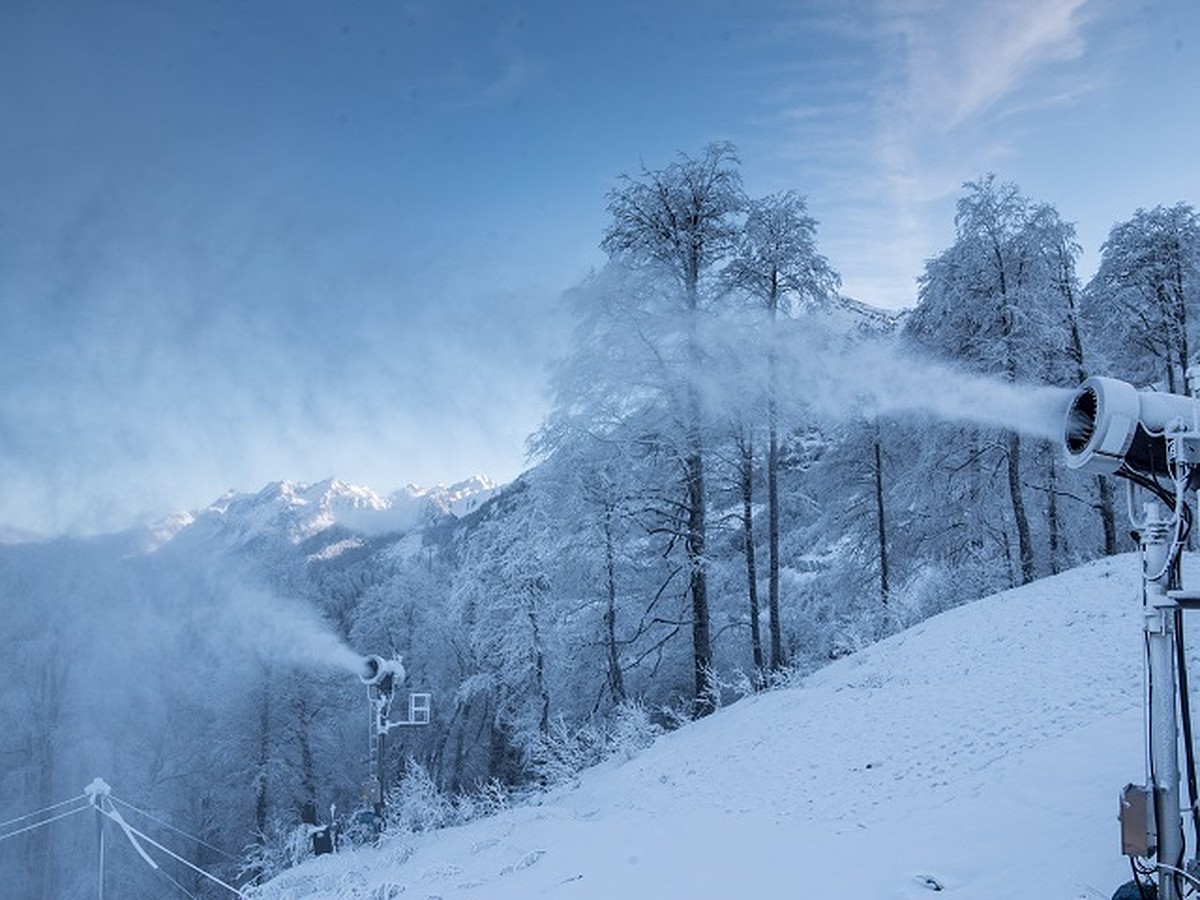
777 264
987 302
679 222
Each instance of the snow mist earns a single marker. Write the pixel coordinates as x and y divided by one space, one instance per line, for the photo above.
231 613
872 379
286 632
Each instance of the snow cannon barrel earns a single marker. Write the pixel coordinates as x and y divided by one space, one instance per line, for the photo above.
379 672
1111 424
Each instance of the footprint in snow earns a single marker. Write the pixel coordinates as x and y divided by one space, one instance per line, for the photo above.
524 862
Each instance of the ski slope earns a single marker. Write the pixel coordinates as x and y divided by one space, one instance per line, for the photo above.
976 755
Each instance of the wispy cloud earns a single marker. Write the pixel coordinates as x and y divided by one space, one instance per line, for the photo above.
948 65
888 113
953 81
959 60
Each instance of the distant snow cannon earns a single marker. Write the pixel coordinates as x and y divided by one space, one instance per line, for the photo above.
384 678
1111 426
385 674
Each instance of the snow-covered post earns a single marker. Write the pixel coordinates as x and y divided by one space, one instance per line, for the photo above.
97 792
1163 750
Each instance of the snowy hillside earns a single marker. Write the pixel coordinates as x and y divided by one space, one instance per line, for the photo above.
978 754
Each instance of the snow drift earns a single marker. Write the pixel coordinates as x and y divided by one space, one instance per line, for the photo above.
976 755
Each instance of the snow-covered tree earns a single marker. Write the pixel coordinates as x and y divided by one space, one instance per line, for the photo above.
1145 296
778 265
989 302
678 224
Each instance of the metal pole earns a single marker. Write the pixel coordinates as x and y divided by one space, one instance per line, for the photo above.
381 755
100 854
376 791
1164 737
381 696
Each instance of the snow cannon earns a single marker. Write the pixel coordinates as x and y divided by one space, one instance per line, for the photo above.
385 674
1111 425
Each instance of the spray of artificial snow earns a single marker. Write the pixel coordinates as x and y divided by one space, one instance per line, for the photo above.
873 379
233 615
288 632
896 384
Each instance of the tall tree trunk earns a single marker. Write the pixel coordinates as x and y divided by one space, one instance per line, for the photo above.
616 679
539 660
881 519
1108 516
777 659
460 745
262 780
747 478
1108 519
697 525
1024 538
697 579
308 771
1053 523
1020 519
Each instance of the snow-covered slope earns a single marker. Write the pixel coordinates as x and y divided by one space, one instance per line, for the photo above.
848 316
977 755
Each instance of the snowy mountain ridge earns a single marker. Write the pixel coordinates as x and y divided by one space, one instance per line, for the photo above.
977 754
298 511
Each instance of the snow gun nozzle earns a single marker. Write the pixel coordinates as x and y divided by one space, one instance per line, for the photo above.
1111 425
380 672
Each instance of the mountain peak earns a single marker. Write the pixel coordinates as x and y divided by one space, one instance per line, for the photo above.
296 510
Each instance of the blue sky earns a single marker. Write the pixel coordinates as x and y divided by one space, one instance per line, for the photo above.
245 240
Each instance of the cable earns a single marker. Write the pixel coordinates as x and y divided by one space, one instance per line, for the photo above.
171 827
1137 879
177 884
1185 715
1148 482
12 834
41 811
1180 873
130 830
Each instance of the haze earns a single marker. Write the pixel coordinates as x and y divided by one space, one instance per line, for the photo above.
249 241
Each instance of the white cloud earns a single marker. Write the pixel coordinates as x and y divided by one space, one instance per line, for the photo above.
954 79
958 60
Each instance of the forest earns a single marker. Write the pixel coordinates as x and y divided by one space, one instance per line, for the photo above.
744 474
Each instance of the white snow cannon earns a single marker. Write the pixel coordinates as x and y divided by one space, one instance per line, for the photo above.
379 672
1111 424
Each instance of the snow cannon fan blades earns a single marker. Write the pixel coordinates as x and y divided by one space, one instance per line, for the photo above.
1110 424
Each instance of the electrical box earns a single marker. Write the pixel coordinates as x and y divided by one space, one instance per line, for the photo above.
1138 833
371 792
322 841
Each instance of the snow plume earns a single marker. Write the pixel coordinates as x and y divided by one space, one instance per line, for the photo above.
236 620
875 379
823 373
289 632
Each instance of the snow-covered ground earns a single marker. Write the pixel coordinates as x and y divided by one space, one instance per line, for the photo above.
979 755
